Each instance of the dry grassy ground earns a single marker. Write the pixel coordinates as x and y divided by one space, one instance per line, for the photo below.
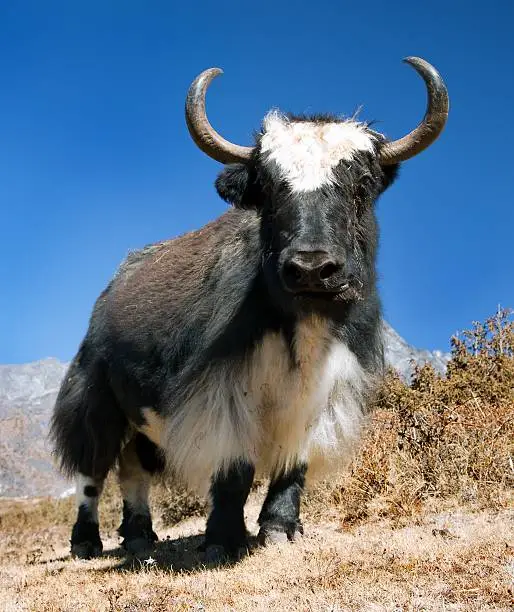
447 561
423 520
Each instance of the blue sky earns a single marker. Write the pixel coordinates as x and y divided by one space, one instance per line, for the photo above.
95 157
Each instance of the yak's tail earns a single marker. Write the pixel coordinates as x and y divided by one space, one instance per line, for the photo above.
88 427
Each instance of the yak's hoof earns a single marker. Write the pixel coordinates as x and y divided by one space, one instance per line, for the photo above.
86 550
137 533
140 546
277 533
85 538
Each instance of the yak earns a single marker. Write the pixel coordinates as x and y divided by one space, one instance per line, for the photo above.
251 347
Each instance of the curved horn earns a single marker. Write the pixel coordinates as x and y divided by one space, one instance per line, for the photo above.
202 132
433 122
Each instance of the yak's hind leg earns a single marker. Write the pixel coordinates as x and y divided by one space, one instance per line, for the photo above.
139 460
226 535
85 536
279 518
87 429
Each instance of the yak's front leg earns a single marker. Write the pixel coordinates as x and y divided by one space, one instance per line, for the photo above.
279 519
226 535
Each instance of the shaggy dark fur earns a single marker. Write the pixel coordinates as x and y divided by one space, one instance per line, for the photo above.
152 331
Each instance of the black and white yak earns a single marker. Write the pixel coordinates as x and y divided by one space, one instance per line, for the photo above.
251 346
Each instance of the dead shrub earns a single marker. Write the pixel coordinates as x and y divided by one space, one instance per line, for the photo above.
447 438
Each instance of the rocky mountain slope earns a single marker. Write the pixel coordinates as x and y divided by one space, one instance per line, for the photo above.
401 356
27 395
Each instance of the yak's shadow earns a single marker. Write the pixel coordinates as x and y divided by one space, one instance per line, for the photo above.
180 554
176 555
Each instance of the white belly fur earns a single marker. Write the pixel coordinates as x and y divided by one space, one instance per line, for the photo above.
268 410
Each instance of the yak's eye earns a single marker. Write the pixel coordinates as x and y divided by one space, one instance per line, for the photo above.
365 180
363 191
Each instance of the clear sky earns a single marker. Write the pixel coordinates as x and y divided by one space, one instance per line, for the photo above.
95 157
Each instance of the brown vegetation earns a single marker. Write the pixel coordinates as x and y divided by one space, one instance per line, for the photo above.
423 519
441 440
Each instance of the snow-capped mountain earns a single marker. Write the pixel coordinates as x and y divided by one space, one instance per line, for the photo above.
402 356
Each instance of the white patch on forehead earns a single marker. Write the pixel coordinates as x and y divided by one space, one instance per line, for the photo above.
307 152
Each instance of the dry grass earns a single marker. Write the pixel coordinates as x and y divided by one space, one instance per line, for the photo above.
453 561
424 519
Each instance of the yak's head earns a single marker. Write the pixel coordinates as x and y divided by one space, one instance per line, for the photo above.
314 182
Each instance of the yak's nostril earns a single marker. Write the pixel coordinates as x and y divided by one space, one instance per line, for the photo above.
328 270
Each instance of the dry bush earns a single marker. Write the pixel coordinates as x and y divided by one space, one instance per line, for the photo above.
173 504
443 439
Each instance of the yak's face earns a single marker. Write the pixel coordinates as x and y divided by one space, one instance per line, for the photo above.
314 182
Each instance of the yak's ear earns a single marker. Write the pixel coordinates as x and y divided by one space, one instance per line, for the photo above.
237 185
390 174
